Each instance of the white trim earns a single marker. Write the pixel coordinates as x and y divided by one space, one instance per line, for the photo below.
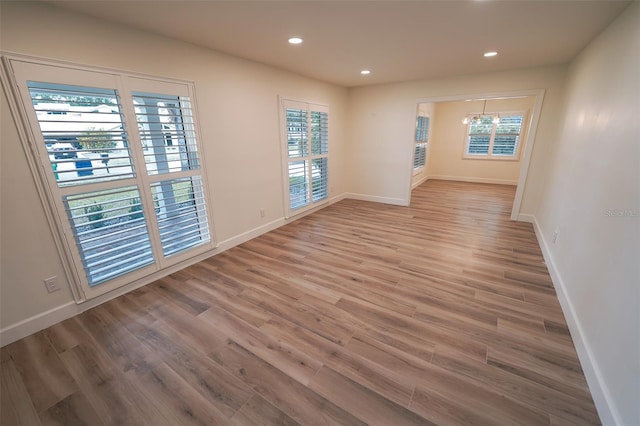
283 104
599 392
532 129
87 67
489 155
48 190
37 322
53 316
60 313
314 209
474 179
25 136
249 235
419 182
528 218
377 199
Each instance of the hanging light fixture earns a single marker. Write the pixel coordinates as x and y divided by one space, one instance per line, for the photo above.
477 119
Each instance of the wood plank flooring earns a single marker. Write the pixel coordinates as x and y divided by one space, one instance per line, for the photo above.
438 313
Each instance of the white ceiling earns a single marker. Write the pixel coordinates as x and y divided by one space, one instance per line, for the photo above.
397 40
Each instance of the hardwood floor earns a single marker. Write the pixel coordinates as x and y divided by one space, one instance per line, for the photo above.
362 313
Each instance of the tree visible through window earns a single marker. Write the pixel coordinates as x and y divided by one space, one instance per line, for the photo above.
489 137
124 169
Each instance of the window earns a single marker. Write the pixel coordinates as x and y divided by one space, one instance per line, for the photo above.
421 139
122 165
494 139
306 155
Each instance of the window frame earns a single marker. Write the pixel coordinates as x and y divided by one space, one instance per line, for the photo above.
288 103
421 139
16 70
490 155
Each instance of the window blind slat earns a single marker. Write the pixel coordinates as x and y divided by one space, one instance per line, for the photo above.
422 128
298 184
307 151
297 133
319 132
489 139
180 213
105 226
167 132
320 190
82 141
84 153
419 155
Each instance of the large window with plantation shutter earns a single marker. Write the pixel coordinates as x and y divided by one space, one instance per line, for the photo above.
122 165
306 155
495 137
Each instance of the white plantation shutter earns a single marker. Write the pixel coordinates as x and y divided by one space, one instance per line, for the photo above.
121 158
181 214
486 139
419 155
306 154
81 128
167 135
319 179
112 236
167 132
507 136
421 140
480 136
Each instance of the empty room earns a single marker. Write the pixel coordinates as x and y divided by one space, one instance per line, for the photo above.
320 212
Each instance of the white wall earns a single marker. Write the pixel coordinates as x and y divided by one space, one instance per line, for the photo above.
592 198
450 137
381 126
238 108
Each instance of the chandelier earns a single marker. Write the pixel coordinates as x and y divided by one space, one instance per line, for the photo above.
477 118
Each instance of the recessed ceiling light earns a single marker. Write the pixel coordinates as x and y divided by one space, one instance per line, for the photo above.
365 72
490 54
295 40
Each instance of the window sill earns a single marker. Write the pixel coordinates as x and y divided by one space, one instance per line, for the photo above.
490 158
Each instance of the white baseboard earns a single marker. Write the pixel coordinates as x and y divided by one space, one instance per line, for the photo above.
419 182
524 217
475 179
249 235
377 199
60 313
53 316
37 322
599 391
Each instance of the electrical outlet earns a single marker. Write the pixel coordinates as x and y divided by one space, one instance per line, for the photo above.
555 236
51 284
263 212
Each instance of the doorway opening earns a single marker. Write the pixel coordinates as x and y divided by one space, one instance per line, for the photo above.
482 137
